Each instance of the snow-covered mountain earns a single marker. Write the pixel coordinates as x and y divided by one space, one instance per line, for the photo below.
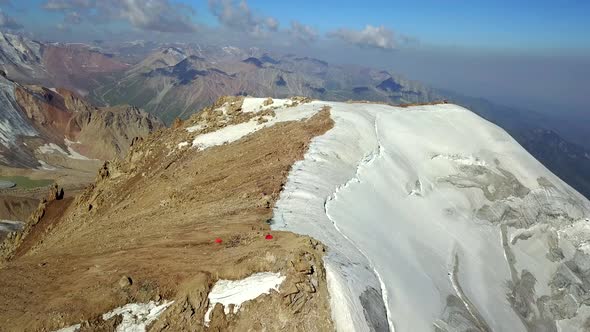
436 219
428 218
21 57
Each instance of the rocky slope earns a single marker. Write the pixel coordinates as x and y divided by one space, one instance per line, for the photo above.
173 222
44 128
22 58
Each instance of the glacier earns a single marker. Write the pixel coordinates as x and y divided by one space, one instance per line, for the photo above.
437 220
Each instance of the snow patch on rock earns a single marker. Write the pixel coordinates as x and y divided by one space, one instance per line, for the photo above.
73 153
235 132
237 292
257 104
137 316
50 148
45 166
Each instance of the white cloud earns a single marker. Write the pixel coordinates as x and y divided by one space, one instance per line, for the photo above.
370 37
303 33
238 16
151 15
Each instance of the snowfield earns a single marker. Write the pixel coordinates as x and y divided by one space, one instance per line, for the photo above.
436 218
237 292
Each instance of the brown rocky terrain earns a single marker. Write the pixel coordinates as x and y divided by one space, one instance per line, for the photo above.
49 128
151 220
98 133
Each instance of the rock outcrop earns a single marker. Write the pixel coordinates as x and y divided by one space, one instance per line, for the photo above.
57 126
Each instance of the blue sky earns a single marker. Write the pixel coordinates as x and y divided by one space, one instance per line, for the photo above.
534 26
501 24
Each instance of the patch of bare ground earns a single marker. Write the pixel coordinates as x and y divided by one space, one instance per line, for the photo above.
154 218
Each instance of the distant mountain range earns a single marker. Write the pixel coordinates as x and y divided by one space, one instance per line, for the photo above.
177 80
78 67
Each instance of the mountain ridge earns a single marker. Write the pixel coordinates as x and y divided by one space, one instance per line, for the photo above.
463 224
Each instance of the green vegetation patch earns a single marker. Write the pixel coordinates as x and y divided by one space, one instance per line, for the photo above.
23 182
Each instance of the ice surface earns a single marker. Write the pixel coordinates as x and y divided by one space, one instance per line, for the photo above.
237 292
399 197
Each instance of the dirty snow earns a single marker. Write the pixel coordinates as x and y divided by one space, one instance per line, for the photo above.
235 132
136 317
72 152
195 128
45 166
237 292
372 190
51 148
257 104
